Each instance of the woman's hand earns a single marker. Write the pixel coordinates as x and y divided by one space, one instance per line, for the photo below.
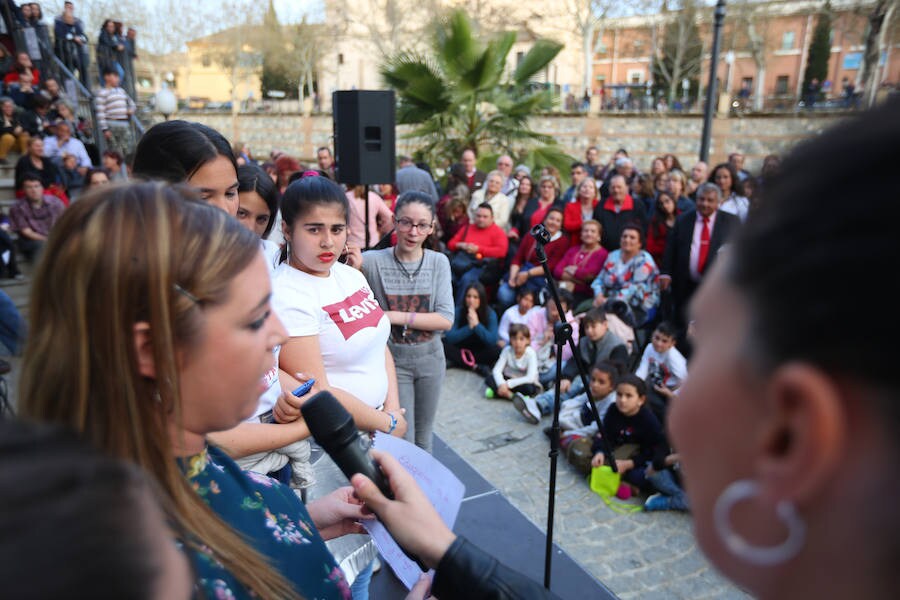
503 390
354 257
410 518
338 513
472 316
422 589
598 460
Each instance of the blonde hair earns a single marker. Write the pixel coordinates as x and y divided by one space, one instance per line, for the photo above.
119 256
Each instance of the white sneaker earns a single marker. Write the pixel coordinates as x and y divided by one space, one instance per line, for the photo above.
528 408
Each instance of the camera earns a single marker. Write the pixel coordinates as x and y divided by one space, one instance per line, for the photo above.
540 234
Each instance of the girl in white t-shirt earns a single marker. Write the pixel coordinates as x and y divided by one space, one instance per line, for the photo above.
337 331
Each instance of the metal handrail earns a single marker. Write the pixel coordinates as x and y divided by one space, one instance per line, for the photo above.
85 98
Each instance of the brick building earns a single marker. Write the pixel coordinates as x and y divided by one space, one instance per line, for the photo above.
764 48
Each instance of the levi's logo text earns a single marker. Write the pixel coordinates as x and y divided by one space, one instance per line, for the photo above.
355 312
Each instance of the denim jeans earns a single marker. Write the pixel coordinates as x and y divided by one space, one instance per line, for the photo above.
360 587
545 399
506 295
12 327
665 483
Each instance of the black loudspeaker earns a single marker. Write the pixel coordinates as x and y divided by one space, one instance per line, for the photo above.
364 144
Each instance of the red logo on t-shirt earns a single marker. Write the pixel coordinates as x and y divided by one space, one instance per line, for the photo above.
355 312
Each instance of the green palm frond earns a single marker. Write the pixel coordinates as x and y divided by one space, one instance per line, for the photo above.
462 97
547 156
536 60
457 48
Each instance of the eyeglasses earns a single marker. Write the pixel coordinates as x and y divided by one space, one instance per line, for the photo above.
405 225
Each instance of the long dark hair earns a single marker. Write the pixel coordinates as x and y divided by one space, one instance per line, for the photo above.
532 194
483 301
173 150
251 178
658 224
307 192
737 186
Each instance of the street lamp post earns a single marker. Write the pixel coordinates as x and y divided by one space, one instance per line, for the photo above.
711 88
165 101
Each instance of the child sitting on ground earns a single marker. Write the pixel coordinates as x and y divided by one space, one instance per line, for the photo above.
597 343
515 372
639 447
663 368
519 312
541 322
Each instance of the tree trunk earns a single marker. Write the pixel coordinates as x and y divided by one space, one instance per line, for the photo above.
759 96
874 39
587 47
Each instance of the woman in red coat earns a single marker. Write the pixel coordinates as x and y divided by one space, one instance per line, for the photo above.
580 210
524 269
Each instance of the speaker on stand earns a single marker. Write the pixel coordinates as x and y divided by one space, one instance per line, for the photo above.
364 142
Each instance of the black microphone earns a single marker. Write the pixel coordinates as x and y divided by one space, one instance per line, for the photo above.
333 428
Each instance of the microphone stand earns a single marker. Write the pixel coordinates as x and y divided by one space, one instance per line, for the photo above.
562 334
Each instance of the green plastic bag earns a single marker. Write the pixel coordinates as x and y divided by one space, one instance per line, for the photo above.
605 483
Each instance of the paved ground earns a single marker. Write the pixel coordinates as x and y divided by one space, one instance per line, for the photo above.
641 555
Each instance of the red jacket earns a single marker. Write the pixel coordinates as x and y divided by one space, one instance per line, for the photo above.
572 221
491 241
554 250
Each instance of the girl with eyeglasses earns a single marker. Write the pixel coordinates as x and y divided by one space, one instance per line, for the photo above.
412 286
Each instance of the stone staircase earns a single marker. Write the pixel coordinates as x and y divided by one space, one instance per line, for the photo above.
16 288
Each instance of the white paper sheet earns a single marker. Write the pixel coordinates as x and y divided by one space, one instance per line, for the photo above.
441 486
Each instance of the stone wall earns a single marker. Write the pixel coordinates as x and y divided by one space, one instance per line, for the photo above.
643 136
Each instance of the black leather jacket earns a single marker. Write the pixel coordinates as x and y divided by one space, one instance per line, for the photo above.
466 571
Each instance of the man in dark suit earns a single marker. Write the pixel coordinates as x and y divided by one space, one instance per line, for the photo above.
474 177
693 244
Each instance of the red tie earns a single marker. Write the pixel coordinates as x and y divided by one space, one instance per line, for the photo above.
704 246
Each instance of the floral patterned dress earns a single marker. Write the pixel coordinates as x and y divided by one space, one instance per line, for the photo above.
636 281
274 521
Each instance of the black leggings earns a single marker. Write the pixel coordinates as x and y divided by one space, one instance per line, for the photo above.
526 389
485 356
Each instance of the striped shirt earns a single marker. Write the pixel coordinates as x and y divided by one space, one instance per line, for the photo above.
113 104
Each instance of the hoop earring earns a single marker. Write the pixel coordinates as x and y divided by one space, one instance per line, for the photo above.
764 556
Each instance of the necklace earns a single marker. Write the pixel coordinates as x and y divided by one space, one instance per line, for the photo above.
409 275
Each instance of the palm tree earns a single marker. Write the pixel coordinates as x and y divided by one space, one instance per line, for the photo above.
462 96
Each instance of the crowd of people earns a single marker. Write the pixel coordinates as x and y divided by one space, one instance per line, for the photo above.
205 324
39 122
463 286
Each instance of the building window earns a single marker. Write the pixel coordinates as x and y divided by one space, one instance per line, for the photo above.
781 85
635 76
787 40
340 59
205 60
